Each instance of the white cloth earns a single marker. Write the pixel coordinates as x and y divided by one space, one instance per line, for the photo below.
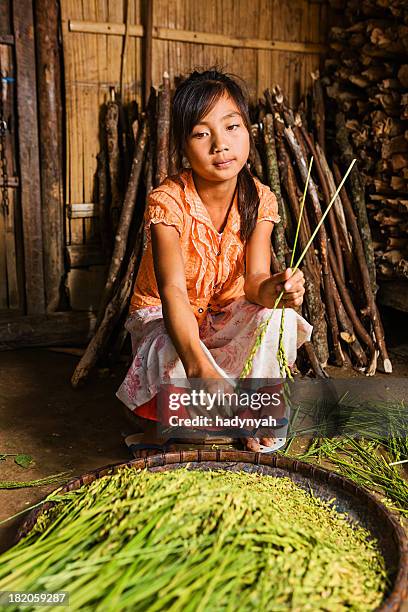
227 338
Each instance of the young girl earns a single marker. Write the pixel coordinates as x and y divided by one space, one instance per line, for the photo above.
204 283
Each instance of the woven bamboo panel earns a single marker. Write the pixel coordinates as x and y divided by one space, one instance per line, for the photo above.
93 64
296 21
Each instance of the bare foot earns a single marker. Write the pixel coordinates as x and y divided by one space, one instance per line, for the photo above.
268 441
254 444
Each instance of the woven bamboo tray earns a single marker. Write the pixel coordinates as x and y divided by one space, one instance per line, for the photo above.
361 507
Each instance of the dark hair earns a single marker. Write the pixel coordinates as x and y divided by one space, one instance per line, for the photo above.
193 99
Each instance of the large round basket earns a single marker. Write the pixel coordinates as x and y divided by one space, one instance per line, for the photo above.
360 506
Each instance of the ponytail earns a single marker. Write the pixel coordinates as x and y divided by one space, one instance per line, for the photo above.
248 203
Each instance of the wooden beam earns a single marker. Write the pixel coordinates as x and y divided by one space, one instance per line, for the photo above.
202 38
104 27
56 329
29 155
50 117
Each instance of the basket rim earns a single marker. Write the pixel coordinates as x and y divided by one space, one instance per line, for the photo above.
400 587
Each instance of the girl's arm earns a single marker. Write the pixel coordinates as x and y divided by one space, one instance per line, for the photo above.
178 315
260 286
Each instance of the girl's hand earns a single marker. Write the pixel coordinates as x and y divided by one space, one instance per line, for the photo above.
213 380
292 285
214 383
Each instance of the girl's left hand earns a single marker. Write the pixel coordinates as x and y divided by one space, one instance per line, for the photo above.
291 284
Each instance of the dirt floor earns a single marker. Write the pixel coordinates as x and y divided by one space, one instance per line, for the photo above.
80 430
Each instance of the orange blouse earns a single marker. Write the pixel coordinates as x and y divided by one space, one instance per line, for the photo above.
214 262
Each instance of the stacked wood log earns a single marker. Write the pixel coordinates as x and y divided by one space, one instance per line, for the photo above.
347 327
367 76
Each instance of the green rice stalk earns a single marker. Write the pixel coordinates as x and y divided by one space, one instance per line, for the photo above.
54 479
363 461
282 358
193 540
263 326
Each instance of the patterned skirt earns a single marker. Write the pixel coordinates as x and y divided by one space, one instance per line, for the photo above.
226 338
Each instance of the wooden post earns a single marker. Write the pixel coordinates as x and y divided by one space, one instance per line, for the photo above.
148 47
29 157
50 117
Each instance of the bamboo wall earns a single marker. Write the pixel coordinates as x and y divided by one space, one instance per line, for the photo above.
290 37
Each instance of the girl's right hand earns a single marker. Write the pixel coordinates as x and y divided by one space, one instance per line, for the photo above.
211 381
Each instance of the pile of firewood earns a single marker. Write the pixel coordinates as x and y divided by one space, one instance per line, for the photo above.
339 267
367 76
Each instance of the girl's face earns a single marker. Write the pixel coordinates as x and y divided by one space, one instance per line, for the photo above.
218 146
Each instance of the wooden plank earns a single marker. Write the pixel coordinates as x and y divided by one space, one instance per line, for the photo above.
56 329
13 240
8 83
201 38
14 300
3 260
29 156
50 117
